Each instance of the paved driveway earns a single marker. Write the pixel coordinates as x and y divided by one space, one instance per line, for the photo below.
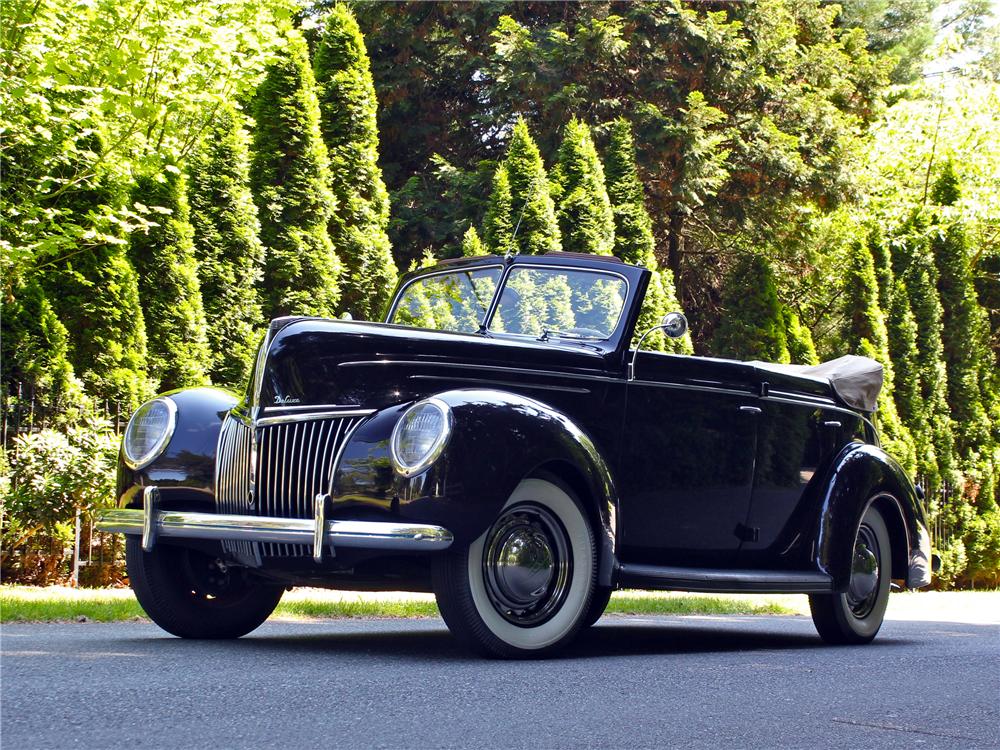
688 682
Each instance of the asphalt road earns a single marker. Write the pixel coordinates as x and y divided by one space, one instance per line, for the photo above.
684 682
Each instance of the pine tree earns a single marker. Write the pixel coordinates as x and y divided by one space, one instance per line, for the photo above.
348 109
95 294
533 211
164 259
634 242
752 325
471 244
586 223
227 245
801 349
290 178
498 230
36 356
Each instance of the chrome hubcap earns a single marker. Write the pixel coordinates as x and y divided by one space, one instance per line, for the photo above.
863 589
526 564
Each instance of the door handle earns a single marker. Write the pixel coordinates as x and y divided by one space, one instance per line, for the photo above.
833 423
750 409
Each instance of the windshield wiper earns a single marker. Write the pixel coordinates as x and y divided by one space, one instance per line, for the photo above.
547 333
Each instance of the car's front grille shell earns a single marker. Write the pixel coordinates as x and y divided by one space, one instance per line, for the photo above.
294 462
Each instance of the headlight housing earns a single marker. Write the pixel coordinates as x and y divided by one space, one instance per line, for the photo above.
148 432
420 435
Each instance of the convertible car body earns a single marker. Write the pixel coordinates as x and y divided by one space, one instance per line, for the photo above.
501 442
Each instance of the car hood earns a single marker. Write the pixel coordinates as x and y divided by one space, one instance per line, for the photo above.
335 363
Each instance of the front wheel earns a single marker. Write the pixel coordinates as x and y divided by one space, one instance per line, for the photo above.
855 616
524 588
194 595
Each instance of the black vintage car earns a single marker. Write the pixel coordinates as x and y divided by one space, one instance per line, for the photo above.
500 441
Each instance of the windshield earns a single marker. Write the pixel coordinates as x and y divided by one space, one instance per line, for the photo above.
560 303
450 301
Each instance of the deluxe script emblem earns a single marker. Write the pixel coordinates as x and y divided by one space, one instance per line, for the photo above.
282 400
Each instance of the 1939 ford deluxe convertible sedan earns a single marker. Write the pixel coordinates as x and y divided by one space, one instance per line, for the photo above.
501 442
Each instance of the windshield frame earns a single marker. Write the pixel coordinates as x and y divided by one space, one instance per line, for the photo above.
398 297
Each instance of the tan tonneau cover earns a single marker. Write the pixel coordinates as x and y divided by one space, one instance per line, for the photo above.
856 380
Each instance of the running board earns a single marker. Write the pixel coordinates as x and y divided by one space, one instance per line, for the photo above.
728 581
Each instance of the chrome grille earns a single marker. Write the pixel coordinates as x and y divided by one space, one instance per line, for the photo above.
294 462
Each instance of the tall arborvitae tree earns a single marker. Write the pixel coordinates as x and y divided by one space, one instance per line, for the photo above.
865 334
471 244
533 211
164 258
752 325
348 109
35 361
634 242
916 270
290 178
227 245
586 222
95 294
801 349
882 258
901 328
498 226
962 325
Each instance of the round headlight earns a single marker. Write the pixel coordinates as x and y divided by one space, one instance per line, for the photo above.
148 432
419 436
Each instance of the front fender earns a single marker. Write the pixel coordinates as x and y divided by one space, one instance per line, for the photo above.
860 476
499 438
185 471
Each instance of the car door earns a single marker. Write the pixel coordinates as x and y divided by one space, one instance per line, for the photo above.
687 466
795 441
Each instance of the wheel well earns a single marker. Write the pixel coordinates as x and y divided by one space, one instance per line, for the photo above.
898 541
571 476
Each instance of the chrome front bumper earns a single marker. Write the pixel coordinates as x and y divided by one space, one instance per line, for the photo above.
321 534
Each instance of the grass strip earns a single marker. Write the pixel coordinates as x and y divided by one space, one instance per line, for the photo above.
60 604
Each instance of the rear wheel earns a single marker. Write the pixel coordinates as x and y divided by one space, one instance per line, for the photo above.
195 595
856 615
599 603
523 588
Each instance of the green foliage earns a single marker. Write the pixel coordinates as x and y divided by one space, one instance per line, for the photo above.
163 257
471 244
348 113
227 245
36 355
586 222
290 178
533 211
801 350
864 318
53 474
633 229
895 436
499 222
752 325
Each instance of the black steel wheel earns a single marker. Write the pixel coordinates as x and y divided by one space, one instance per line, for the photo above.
524 588
856 615
195 595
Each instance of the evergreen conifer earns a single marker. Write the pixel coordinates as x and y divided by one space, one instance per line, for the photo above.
95 294
348 109
533 216
634 242
471 244
586 223
801 349
498 229
169 292
227 245
752 325
290 177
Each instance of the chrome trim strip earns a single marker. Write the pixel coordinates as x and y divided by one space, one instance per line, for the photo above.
150 499
488 368
286 418
701 388
355 534
339 408
319 523
506 383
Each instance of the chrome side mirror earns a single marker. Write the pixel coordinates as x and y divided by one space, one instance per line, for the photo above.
673 324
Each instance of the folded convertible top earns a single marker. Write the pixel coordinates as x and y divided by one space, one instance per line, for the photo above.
856 380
